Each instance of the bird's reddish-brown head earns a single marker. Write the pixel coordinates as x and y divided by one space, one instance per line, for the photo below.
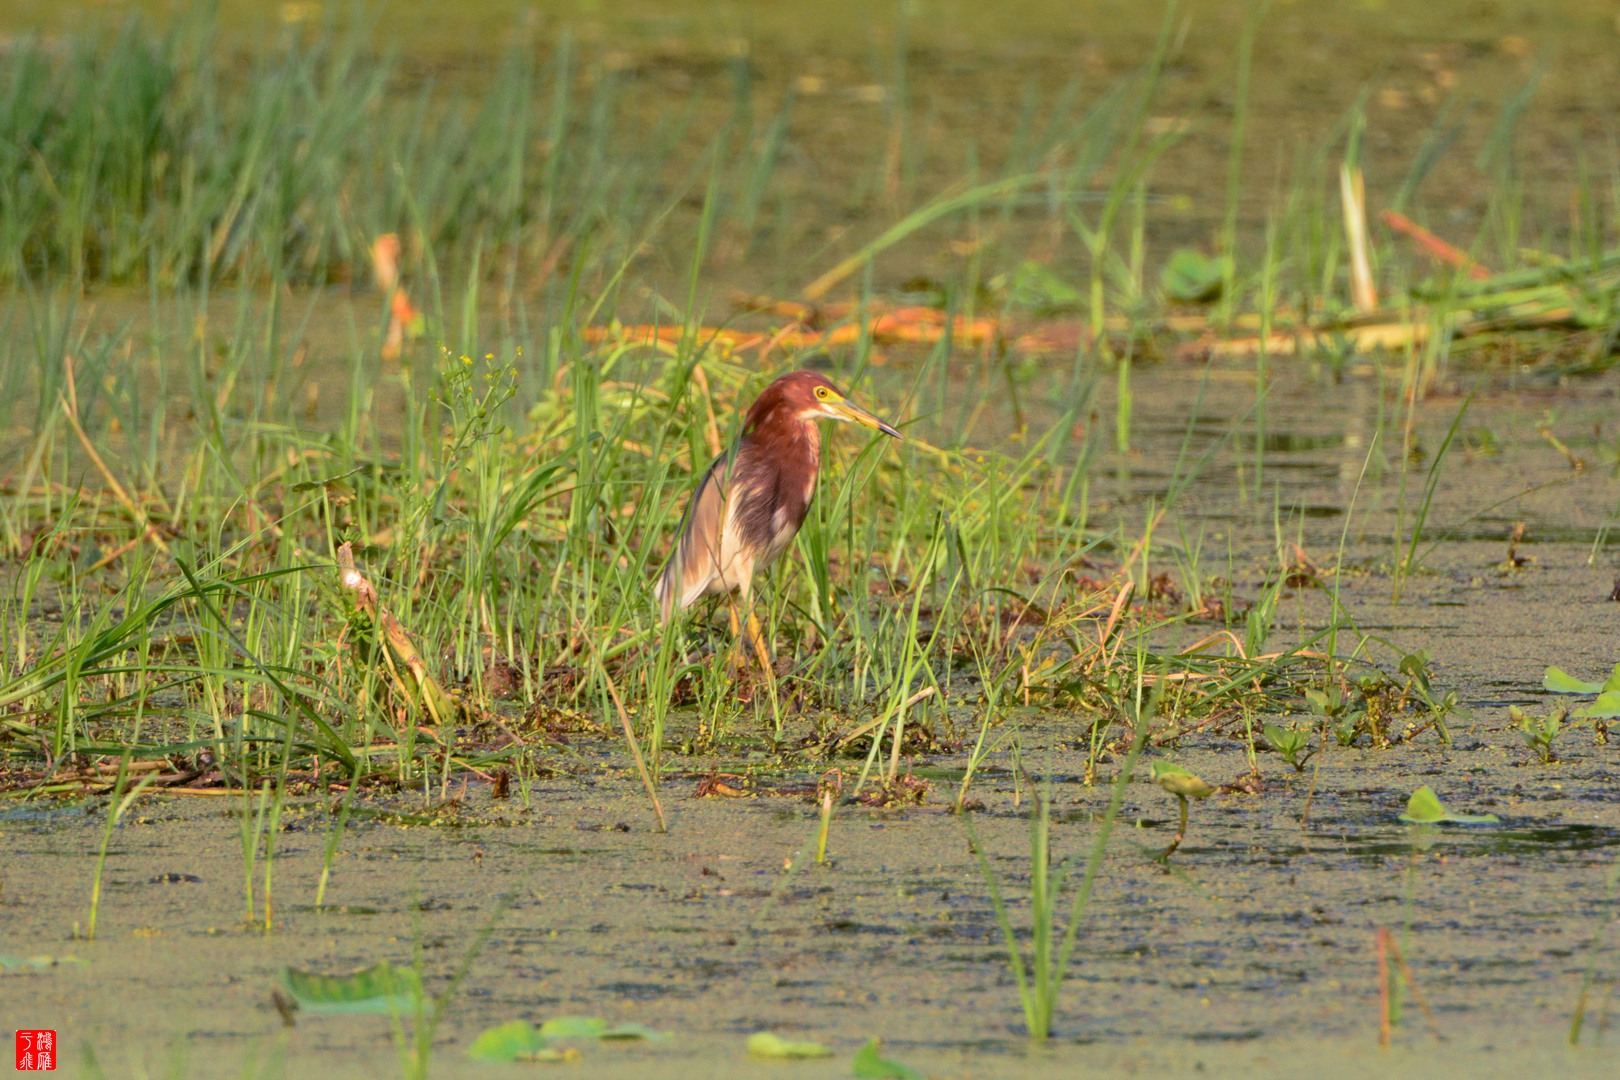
803 397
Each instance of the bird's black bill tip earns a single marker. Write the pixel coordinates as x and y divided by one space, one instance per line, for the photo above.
848 410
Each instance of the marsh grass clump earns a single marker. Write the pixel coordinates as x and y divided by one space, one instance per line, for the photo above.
141 154
354 607
200 487
368 593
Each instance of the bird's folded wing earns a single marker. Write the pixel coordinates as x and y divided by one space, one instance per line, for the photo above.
694 566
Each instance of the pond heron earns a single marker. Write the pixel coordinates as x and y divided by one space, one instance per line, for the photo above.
753 498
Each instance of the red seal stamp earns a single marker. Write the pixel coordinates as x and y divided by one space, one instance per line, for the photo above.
36 1051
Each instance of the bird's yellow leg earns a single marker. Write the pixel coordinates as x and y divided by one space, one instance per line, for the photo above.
756 636
738 657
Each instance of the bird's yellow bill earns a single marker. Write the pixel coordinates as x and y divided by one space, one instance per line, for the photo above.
845 409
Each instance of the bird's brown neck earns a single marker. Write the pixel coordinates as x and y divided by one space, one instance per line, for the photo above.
786 434
793 443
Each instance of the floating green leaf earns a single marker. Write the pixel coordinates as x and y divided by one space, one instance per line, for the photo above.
767 1044
1557 682
594 1027
1605 707
517 1040
573 1027
1425 808
39 963
870 1064
632 1031
381 988
1033 285
1178 781
1191 277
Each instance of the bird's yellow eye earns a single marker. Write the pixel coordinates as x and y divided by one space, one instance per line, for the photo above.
821 392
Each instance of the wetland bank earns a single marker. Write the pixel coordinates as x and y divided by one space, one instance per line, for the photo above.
1168 475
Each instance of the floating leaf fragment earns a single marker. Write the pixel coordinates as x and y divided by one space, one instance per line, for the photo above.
1605 707
1556 681
573 1027
768 1044
1425 808
1191 277
381 988
1033 285
516 1040
39 963
594 1027
870 1064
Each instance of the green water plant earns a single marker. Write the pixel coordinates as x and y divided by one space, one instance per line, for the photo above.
519 1040
1408 562
119 802
382 988
1605 704
1191 277
1337 713
1041 978
1353 708
1294 745
1424 811
1425 808
259 826
1600 933
768 1044
827 792
40 963
334 836
871 1064
1184 785
1540 731
594 1027
516 1040
1557 681
1420 685
397 991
